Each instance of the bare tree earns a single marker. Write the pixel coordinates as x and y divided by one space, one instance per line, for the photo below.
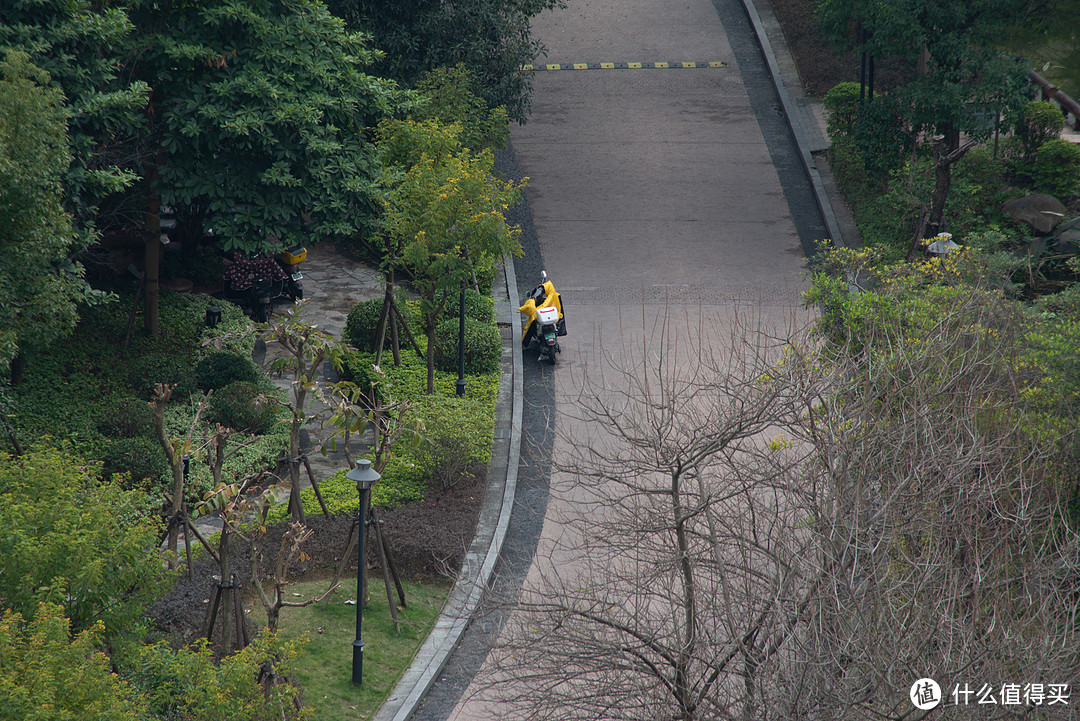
288 552
175 452
782 533
308 348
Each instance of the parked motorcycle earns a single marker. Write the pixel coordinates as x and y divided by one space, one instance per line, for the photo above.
545 320
253 284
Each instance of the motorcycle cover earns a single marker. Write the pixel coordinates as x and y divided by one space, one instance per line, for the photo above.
548 299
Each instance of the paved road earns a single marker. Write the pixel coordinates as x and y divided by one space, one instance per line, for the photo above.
653 193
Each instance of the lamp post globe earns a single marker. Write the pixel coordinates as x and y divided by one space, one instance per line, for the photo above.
365 477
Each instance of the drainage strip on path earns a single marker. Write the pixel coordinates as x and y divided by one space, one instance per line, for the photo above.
627 66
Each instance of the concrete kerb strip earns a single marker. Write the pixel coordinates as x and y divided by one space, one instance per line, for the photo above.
790 114
479 563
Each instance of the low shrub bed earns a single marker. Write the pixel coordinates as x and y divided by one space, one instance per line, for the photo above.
455 433
91 394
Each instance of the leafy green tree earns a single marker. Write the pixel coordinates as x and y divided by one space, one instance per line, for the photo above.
47 674
491 37
66 538
450 96
40 283
85 47
443 213
962 74
263 108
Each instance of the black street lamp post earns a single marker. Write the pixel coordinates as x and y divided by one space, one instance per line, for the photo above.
365 477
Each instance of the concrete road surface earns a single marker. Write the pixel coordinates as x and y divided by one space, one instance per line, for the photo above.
657 195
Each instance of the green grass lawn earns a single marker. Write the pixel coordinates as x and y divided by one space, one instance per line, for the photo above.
324 667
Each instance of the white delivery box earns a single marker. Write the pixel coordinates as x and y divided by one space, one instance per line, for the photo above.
547 316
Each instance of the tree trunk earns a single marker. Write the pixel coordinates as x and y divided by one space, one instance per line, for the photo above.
16 367
296 505
227 594
683 685
430 354
152 254
946 152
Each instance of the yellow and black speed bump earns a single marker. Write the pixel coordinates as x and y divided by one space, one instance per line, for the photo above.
624 66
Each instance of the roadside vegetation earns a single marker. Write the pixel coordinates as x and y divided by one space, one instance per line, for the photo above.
804 526
231 125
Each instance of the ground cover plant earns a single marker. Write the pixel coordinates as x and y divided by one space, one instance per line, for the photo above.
141 416
92 393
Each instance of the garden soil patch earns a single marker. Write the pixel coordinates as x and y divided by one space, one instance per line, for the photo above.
428 542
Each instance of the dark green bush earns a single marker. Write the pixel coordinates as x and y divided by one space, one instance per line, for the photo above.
483 346
1057 169
842 110
361 323
881 135
478 307
357 368
141 459
219 369
1040 122
236 406
977 192
363 320
167 368
130 417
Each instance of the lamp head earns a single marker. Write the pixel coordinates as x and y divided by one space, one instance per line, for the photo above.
363 475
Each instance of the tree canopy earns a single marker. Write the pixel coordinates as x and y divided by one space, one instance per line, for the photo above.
263 108
443 212
86 49
965 70
491 37
40 284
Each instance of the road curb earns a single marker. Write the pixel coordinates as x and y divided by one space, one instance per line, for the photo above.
479 564
791 115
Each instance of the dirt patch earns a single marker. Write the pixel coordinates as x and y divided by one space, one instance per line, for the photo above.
427 540
820 66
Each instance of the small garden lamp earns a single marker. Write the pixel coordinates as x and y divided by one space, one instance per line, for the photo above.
942 245
365 477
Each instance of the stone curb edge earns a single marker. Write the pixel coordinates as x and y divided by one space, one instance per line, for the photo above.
824 205
479 564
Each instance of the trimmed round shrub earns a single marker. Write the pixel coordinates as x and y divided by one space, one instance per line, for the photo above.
167 368
1057 169
219 369
357 368
483 346
363 321
477 306
235 406
842 110
129 418
141 459
1039 123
